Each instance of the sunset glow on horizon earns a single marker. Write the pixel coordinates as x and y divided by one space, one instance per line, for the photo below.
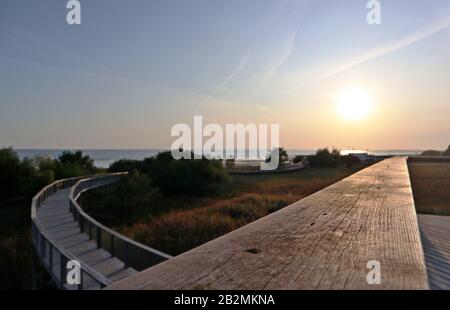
154 64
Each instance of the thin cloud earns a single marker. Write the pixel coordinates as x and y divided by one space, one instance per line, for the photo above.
231 76
283 58
380 51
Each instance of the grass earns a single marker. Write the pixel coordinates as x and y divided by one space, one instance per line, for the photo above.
177 224
431 187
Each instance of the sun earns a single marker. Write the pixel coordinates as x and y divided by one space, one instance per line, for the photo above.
354 104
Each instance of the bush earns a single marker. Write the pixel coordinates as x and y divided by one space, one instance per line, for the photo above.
447 152
431 153
350 160
197 177
126 165
282 155
9 176
126 200
21 178
73 164
298 159
325 158
76 158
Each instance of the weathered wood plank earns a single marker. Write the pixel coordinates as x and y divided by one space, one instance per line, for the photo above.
435 232
321 242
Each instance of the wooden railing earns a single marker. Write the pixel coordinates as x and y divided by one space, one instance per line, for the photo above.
132 253
54 257
337 238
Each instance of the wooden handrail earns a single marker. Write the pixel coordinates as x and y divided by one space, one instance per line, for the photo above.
329 240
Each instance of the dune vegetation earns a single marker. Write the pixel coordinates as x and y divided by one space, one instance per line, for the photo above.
182 220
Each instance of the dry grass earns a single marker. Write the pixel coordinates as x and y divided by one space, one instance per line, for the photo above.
251 198
431 186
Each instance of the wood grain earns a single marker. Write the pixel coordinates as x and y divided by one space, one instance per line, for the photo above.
435 231
321 242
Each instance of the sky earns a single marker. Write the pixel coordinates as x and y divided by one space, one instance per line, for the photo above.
132 70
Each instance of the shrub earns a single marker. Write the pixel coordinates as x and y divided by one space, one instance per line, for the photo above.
197 177
21 178
126 165
431 153
282 153
350 160
298 159
126 201
10 168
325 158
76 158
447 151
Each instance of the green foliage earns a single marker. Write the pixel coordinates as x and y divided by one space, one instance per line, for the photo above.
431 153
9 166
21 178
350 160
230 163
73 164
325 158
298 159
76 158
197 177
282 155
447 151
126 165
128 200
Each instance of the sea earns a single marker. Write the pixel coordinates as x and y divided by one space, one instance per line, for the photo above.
103 158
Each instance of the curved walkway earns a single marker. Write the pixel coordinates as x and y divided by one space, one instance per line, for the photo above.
62 232
58 221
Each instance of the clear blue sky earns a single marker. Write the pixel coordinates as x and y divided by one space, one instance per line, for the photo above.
133 69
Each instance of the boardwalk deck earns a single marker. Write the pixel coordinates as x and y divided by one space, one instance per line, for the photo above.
56 219
435 232
321 242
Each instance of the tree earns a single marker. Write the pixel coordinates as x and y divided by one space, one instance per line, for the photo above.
9 167
350 160
185 176
447 152
21 178
298 159
72 164
76 158
282 155
325 158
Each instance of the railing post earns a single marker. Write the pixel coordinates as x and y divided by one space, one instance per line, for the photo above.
80 286
42 244
81 223
99 237
50 261
90 231
112 245
62 270
126 255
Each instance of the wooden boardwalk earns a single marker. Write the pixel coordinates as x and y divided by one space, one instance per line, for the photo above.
321 242
58 222
435 232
